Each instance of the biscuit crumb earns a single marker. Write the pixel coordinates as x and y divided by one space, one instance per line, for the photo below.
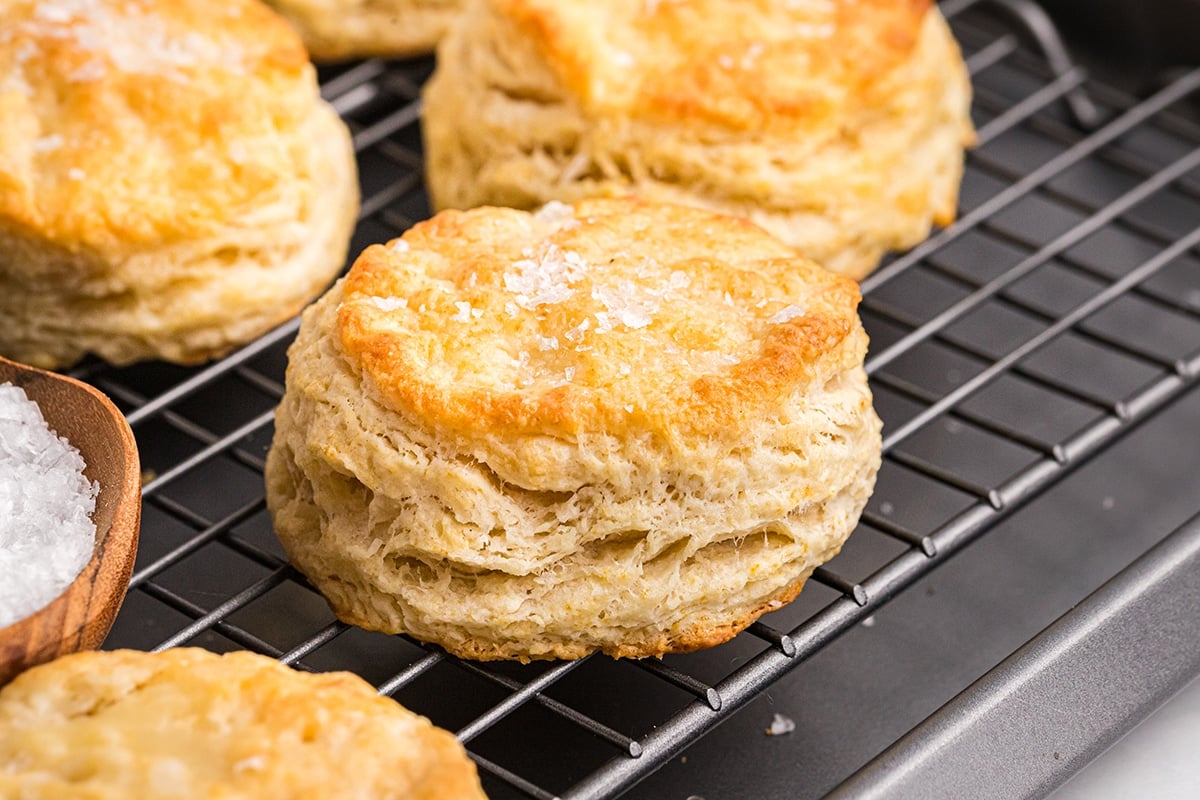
781 726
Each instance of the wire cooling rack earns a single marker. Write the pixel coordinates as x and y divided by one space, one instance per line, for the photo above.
1060 310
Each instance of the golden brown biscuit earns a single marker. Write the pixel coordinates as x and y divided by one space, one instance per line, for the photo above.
620 426
171 184
837 125
341 29
187 723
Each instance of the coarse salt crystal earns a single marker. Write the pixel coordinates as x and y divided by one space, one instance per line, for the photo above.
576 334
25 51
238 153
547 343
623 59
399 246
76 174
388 303
544 278
46 532
373 548
623 370
554 211
255 763
752 53
624 305
92 70
464 312
786 313
47 143
811 30
49 12
569 372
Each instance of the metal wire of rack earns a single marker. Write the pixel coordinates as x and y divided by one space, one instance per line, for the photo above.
1061 309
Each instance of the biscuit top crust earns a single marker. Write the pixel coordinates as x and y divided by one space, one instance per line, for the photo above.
607 316
144 121
736 64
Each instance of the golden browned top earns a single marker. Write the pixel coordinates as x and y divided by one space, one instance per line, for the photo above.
738 64
612 315
188 723
129 121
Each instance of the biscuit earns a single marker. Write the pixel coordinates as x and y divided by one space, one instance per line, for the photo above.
171 183
617 426
189 723
836 125
334 30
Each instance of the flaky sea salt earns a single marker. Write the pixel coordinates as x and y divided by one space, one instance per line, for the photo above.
555 211
388 303
47 144
576 334
545 277
46 532
786 313
625 305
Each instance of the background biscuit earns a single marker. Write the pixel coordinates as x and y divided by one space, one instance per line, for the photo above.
341 29
838 126
171 184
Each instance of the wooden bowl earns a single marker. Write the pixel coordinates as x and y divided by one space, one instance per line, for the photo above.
80 617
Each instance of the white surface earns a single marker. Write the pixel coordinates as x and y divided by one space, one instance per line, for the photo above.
1159 759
